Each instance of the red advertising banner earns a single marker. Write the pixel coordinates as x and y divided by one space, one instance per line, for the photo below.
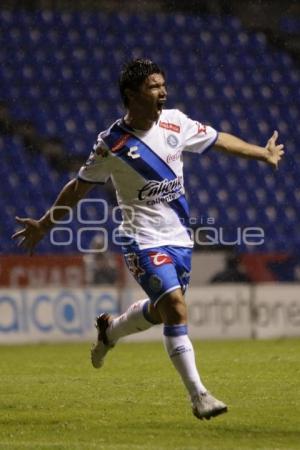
42 270
269 267
76 270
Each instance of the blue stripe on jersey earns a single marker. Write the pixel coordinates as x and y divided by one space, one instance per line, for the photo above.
148 164
112 135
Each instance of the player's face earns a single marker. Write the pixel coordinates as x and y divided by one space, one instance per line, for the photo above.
151 96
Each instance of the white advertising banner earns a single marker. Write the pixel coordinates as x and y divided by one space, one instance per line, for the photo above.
222 311
45 315
277 310
231 311
215 312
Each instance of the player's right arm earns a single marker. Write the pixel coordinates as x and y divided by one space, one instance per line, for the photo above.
34 230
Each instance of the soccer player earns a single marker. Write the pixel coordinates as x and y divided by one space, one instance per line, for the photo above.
142 153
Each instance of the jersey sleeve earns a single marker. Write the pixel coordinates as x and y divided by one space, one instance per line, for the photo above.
96 169
197 137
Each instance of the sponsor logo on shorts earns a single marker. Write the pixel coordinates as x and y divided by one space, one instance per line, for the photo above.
159 259
155 283
185 275
132 260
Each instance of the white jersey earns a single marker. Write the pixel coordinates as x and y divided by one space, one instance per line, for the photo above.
146 169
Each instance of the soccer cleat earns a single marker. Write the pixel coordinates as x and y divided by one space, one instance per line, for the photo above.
206 406
102 346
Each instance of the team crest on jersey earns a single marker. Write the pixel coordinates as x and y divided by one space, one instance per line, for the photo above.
159 259
172 140
132 260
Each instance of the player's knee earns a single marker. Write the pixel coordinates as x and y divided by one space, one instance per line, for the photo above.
155 315
172 308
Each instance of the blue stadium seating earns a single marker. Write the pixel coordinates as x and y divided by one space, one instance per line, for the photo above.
60 70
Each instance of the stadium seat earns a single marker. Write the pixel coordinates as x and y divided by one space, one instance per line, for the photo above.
65 70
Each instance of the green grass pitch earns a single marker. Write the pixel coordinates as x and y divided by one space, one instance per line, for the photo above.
52 399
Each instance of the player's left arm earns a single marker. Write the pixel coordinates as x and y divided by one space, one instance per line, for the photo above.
271 153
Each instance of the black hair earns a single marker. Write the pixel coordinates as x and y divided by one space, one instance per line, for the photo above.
135 73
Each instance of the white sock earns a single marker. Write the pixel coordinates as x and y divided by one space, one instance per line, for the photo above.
135 319
181 353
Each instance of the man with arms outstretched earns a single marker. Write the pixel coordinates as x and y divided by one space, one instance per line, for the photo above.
142 154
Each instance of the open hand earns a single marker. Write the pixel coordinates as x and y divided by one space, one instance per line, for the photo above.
30 235
275 151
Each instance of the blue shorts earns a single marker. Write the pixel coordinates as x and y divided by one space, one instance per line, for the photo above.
159 270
